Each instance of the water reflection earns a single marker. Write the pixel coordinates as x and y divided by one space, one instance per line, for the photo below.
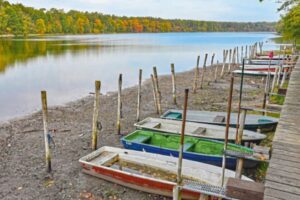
66 66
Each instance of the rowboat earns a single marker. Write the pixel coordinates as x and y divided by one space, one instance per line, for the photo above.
265 68
197 149
252 122
253 73
149 172
200 130
263 62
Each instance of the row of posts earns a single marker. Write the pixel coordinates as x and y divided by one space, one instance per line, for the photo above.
96 126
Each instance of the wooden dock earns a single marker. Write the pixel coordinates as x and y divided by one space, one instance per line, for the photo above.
283 175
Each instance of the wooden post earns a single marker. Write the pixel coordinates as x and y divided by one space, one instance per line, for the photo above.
274 79
46 132
240 162
154 93
250 52
139 96
211 66
203 71
225 54
158 94
216 71
242 53
119 112
240 100
227 127
246 52
229 63
237 55
279 75
95 115
212 60
283 77
196 75
179 169
260 47
173 83
233 57
267 86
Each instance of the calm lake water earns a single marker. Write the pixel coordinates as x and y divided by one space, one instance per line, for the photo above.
67 66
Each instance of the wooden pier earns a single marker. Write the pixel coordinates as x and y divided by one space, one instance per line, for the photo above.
283 175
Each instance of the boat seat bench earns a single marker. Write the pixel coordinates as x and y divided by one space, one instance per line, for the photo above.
188 146
141 139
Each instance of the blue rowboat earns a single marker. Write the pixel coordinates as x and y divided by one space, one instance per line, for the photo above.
196 149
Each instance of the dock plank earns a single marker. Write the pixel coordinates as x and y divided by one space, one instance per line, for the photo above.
283 175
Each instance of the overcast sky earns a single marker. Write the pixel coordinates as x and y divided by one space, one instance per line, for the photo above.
216 10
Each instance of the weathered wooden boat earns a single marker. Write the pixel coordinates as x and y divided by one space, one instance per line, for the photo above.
200 130
253 122
197 149
149 172
264 68
263 62
266 57
253 73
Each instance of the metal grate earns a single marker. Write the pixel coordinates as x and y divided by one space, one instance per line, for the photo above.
239 154
212 190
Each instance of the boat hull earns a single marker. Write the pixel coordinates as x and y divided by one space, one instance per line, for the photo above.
269 123
212 160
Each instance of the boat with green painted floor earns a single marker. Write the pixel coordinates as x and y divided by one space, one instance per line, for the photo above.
197 149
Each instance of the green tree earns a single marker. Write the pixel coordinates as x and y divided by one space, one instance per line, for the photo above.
40 26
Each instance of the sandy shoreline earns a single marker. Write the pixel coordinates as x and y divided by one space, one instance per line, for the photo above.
22 174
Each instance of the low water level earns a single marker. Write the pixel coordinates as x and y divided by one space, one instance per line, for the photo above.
67 66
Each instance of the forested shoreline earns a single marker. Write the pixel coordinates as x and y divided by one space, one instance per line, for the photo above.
17 19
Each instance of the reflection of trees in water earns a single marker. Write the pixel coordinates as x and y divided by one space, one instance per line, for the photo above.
13 51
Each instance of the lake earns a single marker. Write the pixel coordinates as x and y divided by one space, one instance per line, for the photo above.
67 66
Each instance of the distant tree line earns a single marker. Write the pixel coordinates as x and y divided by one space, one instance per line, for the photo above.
21 20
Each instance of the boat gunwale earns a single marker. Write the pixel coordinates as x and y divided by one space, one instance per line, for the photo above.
256 136
190 152
273 120
99 151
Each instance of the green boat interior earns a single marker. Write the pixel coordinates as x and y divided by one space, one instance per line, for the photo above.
191 144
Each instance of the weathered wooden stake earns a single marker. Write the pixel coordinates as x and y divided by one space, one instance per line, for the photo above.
242 53
267 86
261 47
225 54
240 100
95 115
179 169
154 93
283 77
46 132
227 127
237 55
216 71
196 75
274 79
203 71
240 162
157 90
229 63
279 75
119 112
173 83
211 66
139 96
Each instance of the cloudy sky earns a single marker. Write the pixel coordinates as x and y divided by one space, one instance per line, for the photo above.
217 10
